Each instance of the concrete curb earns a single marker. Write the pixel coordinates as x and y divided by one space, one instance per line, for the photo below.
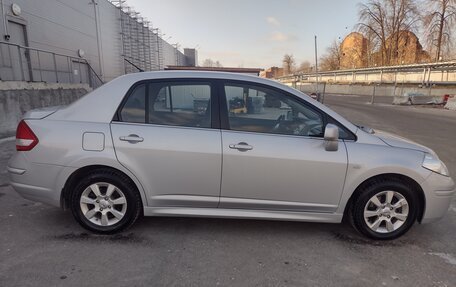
417 99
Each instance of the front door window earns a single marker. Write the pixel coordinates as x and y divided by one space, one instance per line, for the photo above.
262 110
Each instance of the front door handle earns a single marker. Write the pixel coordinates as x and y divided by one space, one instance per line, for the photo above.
242 146
132 139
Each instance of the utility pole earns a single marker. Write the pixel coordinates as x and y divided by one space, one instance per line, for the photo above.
176 46
158 49
316 67
99 44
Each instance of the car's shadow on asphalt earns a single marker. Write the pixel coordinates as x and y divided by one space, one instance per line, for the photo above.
148 230
53 223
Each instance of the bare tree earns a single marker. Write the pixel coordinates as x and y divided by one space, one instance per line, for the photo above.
288 64
372 17
385 19
208 63
438 22
211 63
371 48
331 60
305 67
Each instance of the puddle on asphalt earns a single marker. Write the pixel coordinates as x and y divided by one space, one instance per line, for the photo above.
129 238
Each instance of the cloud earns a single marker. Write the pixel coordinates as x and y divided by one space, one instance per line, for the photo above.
282 37
273 21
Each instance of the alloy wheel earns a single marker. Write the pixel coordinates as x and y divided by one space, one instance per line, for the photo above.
386 211
103 204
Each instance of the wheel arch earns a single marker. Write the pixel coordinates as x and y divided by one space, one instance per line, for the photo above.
65 197
389 176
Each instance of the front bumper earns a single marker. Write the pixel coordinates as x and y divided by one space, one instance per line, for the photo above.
439 191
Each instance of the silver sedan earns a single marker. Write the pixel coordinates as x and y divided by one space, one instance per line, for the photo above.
222 145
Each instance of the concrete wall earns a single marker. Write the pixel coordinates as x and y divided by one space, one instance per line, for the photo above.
382 90
171 57
451 104
16 98
110 41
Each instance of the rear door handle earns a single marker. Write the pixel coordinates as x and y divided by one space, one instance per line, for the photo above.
132 139
242 146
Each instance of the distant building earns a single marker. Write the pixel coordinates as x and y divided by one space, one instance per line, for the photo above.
272 73
410 50
250 71
353 51
192 57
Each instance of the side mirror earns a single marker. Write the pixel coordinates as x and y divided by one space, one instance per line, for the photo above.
331 137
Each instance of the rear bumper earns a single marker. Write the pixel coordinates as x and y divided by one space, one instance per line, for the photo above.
439 191
36 182
36 193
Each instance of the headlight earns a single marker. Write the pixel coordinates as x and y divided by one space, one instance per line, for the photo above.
434 164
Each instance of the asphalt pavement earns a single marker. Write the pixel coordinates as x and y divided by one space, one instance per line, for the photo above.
44 246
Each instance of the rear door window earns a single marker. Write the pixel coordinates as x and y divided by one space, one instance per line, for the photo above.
185 104
180 105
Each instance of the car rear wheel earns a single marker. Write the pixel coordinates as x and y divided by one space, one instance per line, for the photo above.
105 201
385 209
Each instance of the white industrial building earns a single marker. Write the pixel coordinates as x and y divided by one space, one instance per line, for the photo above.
80 41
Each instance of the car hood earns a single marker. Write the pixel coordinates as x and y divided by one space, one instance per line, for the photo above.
398 141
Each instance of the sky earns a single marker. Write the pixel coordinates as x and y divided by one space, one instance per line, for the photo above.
251 33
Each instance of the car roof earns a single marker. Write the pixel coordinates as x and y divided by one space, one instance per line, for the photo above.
195 74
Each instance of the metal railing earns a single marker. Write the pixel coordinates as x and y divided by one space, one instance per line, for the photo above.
442 73
20 63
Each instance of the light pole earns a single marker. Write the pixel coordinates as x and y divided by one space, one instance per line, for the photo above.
157 34
99 44
177 53
316 68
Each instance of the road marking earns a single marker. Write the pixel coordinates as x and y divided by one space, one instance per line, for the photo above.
7 140
445 256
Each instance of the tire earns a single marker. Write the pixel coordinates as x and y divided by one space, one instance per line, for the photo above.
391 216
105 201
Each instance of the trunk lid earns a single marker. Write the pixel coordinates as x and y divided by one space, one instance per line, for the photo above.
38 114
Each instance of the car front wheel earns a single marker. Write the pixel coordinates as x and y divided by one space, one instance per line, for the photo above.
105 201
385 209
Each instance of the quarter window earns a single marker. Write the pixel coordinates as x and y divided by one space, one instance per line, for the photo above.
177 104
257 109
134 110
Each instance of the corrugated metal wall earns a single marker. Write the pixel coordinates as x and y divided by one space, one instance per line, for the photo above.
68 26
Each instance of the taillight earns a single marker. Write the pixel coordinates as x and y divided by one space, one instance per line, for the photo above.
26 140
